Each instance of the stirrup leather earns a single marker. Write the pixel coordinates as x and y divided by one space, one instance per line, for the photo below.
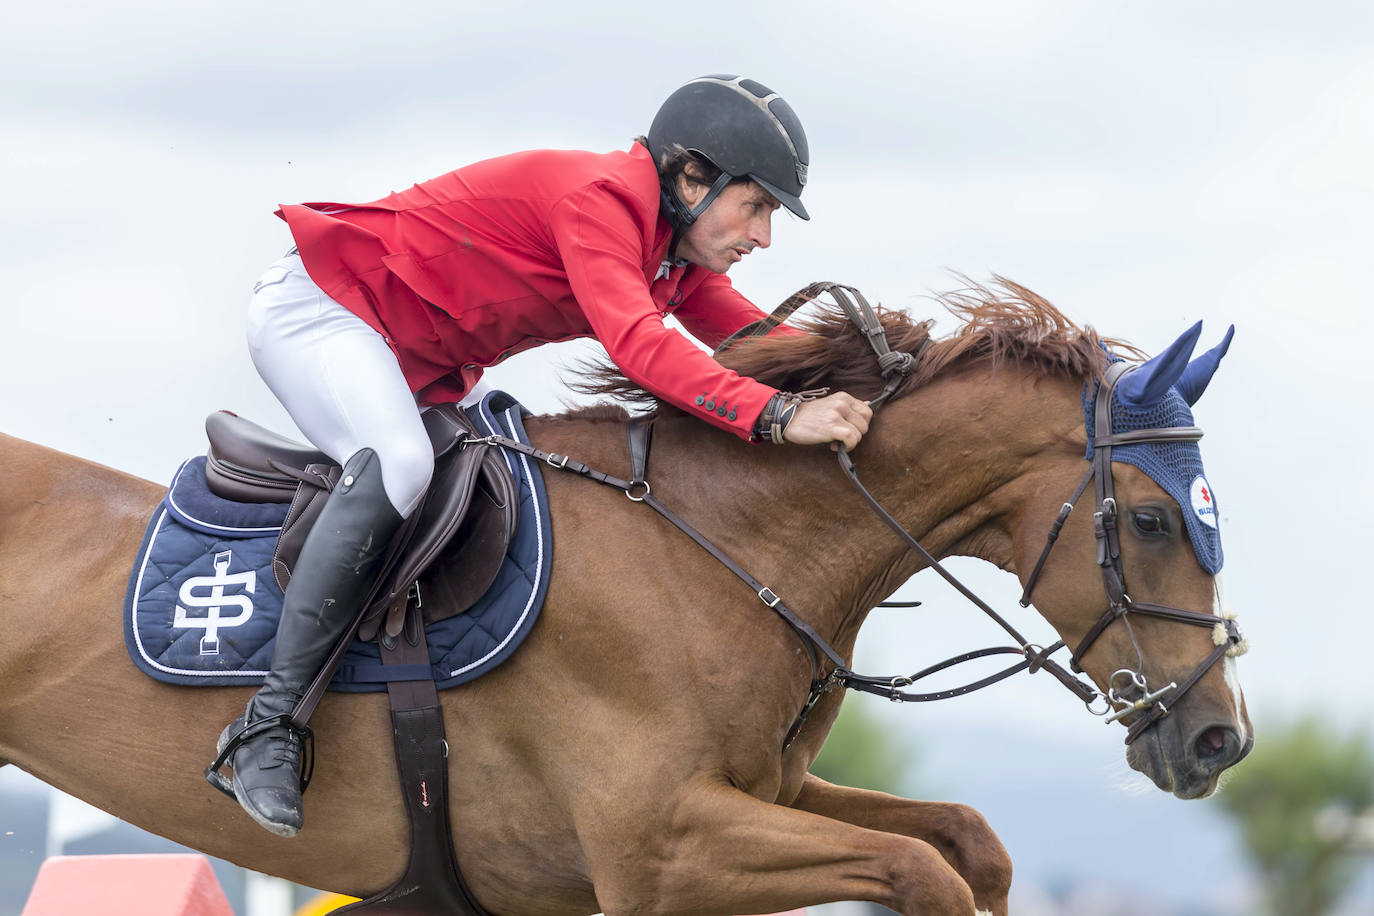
251 730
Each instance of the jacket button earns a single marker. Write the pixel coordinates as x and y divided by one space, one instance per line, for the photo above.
701 399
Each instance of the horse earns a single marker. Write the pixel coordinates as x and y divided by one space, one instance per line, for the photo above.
631 757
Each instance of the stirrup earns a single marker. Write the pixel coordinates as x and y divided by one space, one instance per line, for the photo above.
251 730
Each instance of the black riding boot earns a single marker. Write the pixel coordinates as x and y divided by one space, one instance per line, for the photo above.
337 567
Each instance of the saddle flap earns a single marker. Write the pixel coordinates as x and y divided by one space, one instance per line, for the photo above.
466 568
472 491
440 515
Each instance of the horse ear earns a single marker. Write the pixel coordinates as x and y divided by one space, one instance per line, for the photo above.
1200 370
1148 383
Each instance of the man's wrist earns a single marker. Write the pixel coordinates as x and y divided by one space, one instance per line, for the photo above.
777 414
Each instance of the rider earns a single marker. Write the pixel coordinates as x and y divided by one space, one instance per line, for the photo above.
404 301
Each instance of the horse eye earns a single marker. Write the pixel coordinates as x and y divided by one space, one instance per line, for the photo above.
1148 523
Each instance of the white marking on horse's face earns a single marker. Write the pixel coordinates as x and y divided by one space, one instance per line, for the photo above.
1228 668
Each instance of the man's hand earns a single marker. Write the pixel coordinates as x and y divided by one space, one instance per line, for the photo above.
837 418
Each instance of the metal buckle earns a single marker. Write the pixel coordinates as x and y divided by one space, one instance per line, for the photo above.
767 596
895 688
561 461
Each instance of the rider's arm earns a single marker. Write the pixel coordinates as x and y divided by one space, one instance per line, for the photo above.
601 242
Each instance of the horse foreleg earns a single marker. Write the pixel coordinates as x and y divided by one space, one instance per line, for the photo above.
723 851
959 832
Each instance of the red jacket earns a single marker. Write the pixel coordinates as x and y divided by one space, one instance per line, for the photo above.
461 271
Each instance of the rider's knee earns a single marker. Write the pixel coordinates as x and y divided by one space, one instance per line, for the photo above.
407 466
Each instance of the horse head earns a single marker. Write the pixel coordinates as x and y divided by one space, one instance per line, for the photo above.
986 463
1132 586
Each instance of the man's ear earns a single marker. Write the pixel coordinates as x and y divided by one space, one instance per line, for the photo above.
688 191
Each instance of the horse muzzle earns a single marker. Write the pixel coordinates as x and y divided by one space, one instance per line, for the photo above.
1187 762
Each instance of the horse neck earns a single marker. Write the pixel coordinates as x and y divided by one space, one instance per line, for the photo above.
952 462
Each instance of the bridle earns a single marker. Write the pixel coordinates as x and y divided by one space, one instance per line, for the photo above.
1134 694
1128 692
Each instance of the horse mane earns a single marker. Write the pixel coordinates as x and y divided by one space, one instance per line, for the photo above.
1001 322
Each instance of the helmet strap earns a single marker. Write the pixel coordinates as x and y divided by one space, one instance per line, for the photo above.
679 214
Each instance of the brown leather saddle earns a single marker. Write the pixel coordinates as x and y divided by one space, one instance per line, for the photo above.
453 545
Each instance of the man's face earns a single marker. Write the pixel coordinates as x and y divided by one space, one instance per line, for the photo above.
737 221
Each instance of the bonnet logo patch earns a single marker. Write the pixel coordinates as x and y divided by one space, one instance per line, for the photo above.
1204 502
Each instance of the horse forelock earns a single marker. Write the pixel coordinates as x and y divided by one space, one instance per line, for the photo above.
1000 322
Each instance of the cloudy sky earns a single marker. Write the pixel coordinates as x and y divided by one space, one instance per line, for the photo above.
1142 165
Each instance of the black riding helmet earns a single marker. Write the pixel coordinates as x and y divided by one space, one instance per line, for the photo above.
744 128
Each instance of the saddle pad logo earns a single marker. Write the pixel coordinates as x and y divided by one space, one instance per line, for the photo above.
1204 501
208 592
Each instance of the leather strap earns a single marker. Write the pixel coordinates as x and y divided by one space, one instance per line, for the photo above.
431 882
765 594
776 317
640 432
894 366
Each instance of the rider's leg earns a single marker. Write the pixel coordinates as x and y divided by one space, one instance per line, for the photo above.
341 384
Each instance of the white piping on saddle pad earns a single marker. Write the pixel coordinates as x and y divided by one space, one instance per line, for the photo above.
209 526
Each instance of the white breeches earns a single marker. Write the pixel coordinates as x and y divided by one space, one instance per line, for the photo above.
338 380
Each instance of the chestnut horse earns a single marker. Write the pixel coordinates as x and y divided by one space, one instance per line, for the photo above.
629 758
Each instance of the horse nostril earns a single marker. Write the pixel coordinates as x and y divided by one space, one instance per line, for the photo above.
1214 742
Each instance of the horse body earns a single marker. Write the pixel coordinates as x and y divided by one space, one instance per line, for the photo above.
629 757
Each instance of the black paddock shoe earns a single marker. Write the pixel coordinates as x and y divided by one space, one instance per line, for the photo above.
272 762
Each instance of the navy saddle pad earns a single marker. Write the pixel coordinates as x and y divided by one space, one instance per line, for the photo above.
202 604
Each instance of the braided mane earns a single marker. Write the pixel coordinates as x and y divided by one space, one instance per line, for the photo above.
1001 321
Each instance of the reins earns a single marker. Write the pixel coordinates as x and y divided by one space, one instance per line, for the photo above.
1134 695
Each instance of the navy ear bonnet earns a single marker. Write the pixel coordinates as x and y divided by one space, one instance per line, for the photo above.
1158 394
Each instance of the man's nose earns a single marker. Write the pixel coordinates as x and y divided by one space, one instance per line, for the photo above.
762 234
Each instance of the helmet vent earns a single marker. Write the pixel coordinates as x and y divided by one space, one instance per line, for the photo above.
758 89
